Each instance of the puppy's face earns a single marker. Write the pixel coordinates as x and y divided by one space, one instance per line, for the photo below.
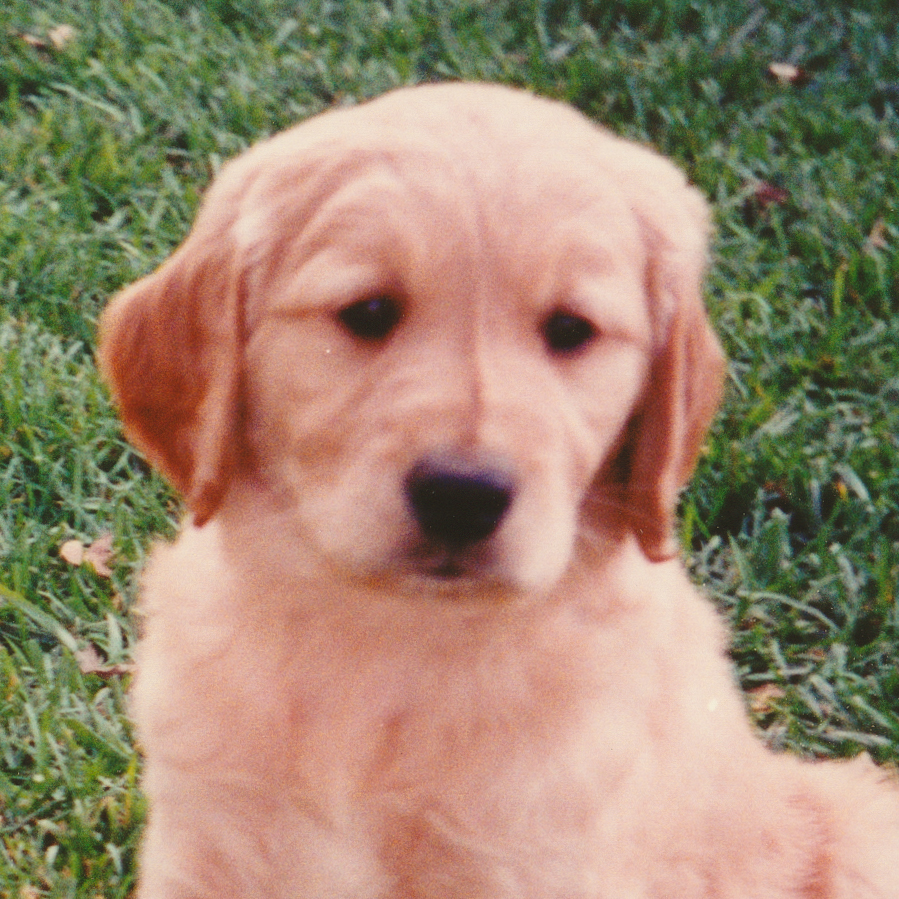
446 334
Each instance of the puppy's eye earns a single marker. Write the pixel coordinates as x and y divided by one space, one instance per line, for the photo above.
565 332
371 319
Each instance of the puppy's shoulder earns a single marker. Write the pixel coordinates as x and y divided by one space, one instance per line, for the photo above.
661 591
192 571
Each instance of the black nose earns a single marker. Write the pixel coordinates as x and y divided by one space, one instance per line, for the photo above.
458 505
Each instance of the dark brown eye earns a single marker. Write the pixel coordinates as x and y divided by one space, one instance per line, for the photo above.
373 319
565 332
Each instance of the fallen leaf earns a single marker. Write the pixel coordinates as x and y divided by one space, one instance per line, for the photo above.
89 659
787 73
34 41
58 38
72 551
762 699
767 194
61 36
98 555
841 488
877 239
91 662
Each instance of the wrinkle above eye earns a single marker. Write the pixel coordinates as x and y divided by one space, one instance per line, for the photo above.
325 281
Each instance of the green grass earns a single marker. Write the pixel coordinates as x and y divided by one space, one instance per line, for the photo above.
793 520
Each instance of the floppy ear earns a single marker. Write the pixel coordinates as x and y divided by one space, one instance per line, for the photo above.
686 374
170 349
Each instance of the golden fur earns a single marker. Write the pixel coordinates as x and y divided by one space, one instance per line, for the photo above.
333 701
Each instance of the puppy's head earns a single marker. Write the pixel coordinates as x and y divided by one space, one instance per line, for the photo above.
442 336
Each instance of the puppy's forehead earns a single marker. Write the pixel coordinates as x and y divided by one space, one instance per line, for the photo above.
502 143
443 172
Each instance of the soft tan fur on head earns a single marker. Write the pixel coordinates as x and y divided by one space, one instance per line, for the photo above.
172 344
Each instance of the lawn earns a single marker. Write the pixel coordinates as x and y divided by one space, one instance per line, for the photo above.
115 115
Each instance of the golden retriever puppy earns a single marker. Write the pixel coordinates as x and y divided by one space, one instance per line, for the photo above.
430 373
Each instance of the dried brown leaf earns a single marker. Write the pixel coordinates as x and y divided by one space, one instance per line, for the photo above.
99 554
89 659
787 73
91 662
61 36
766 194
877 239
58 38
34 41
762 699
72 551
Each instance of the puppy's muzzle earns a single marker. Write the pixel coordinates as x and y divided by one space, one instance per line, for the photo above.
457 504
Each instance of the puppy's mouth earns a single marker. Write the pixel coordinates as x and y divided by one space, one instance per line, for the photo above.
448 565
448 571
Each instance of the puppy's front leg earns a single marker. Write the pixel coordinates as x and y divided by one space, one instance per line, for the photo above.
235 849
